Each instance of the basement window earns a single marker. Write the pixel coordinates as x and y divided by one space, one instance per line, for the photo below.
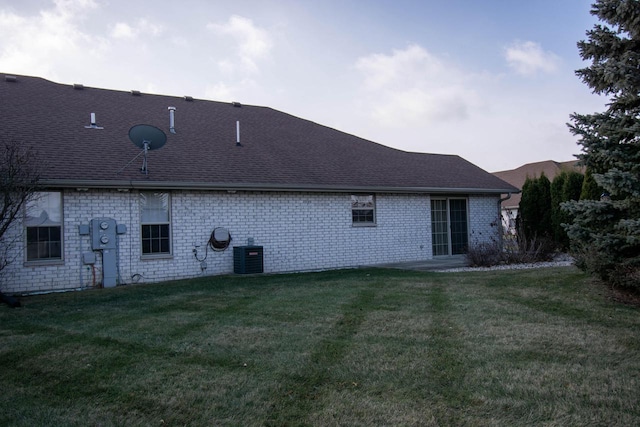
43 223
363 209
155 223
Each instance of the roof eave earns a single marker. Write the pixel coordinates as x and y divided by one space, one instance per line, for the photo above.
222 186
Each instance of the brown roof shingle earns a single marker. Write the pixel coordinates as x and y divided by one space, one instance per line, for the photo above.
518 176
277 151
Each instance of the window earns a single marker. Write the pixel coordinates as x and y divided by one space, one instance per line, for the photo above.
363 209
43 222
155 223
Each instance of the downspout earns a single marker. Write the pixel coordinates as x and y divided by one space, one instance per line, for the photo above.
500 216
500 205
503 200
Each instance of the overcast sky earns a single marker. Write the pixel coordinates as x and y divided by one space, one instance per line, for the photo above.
492 81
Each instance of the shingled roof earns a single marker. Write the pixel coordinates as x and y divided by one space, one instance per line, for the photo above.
518 176
278 151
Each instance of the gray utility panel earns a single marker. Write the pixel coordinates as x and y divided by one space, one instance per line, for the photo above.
103 232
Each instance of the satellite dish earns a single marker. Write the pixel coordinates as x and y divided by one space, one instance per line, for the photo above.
151 135
147 138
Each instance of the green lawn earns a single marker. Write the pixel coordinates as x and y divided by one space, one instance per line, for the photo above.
355 347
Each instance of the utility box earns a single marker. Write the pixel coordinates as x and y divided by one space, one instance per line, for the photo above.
88 258
103 233
247 260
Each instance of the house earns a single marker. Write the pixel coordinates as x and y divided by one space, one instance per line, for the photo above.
518 176
145 188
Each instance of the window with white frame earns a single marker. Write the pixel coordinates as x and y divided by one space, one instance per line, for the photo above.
43 223
155 223
363 209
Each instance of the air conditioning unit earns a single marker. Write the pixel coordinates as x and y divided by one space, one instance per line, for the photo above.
247 260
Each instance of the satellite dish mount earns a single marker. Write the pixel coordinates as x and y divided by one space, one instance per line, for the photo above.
147 138
145 149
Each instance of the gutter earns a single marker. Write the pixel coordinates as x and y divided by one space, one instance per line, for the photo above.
175 185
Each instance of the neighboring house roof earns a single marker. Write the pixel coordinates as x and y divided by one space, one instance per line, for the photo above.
518 176
277 151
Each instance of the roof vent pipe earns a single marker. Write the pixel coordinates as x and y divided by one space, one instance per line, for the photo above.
238 133
94 124
172 119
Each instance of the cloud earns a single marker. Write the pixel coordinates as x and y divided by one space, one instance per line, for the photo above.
235 91
528 58
382 70
253 43
413 86
35 44
122 30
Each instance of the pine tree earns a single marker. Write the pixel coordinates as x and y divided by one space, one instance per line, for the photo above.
605 234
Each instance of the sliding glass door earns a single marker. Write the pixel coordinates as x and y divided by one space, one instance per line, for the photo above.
449 226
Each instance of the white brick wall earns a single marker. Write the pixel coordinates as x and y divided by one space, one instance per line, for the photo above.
299 232
484 220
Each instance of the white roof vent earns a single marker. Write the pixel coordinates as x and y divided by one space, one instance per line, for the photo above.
172 119
93 124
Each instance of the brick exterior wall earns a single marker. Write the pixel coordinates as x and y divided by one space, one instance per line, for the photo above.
484 220
298 231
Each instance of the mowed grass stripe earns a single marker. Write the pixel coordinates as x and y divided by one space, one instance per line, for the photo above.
299 392
448 361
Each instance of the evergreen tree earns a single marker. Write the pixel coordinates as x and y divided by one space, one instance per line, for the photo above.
535 208
590 189
565 187
572 188
605 233
557 214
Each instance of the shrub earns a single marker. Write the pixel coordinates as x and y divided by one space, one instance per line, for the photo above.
607 268
530 250
512 250
485 254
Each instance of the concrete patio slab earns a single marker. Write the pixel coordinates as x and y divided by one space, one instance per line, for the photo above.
438 263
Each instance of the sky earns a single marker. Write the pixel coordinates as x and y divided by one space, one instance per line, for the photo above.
492 81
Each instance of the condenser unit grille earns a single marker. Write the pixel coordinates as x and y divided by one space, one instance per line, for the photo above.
247 260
